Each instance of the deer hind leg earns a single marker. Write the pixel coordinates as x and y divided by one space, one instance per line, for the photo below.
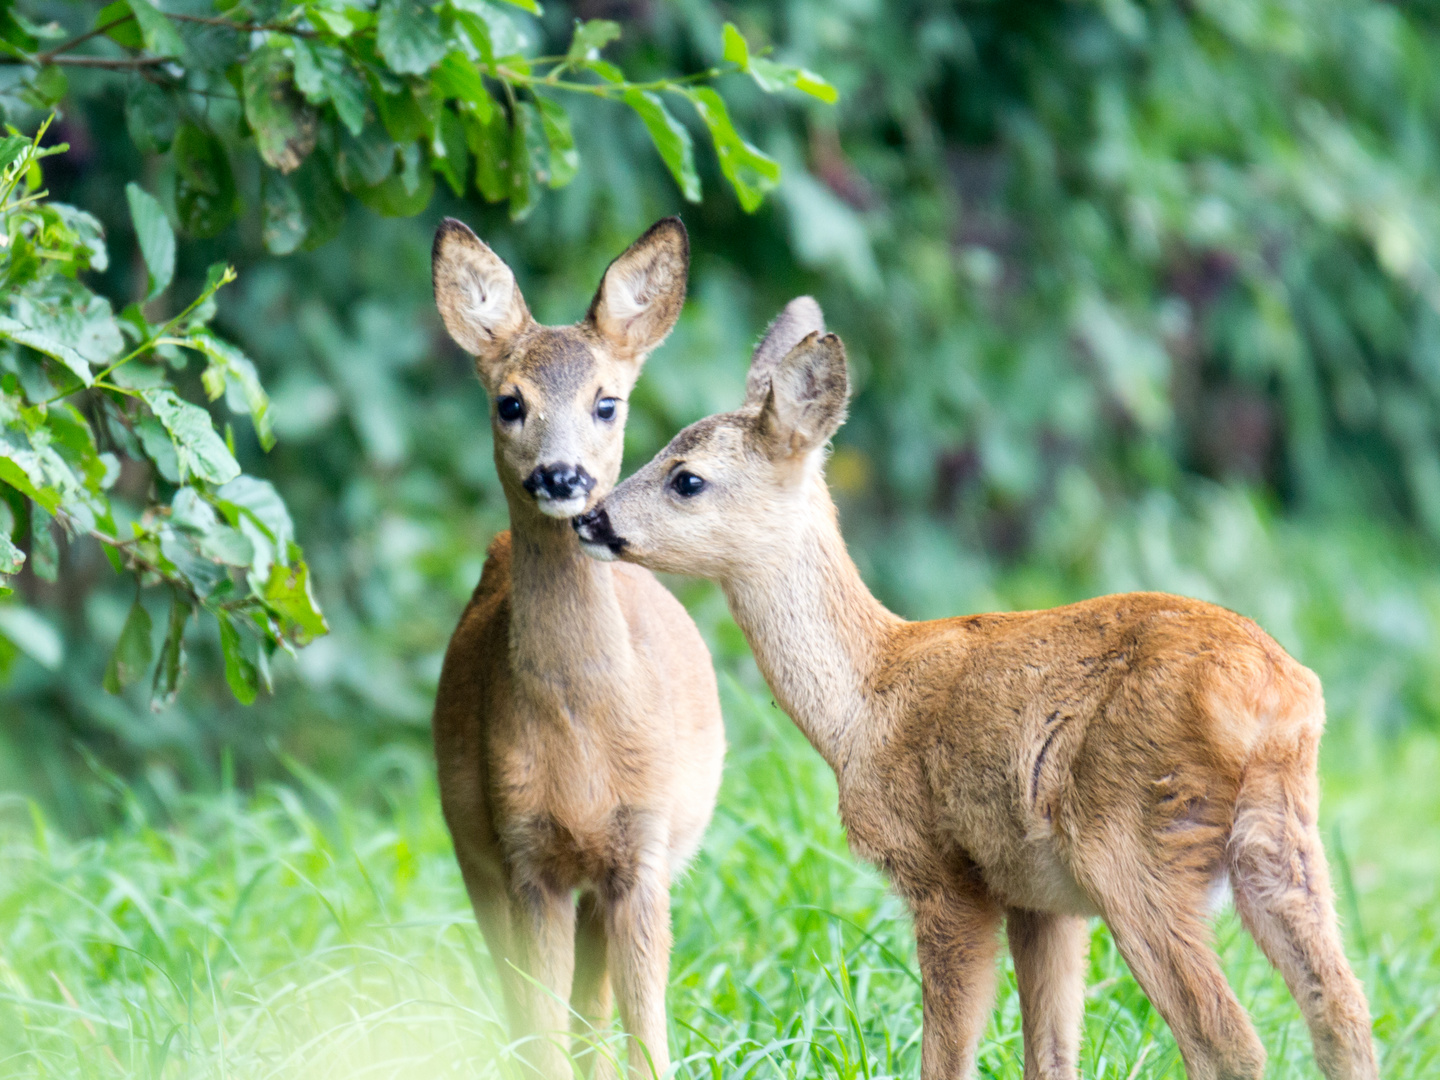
591 999
1156 917
956 938
1049 952
1282 892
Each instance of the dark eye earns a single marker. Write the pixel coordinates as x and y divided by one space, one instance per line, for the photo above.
510 408
688 484
605 408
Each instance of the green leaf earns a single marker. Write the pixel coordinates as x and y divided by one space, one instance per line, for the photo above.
256 509
807 82
366 160
532 6
11 147
458 78
128 32
133 651
564 158
149 117
74 326
589 38
199 450
734 50
489 142
156 238
770 76
229 368
159 449
157 31
240 671
32 634
750 172
324 73
409 37
11 557
410 114
170 672
205 196
282 218
321 199
44 551
395 197
285 127
517 181
288 592
670 137
451 157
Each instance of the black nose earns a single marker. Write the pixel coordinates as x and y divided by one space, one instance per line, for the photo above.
559 481
594 528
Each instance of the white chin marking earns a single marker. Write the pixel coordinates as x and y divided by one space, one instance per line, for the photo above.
598 551
561 508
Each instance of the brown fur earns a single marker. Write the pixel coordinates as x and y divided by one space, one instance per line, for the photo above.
577 727
1117 757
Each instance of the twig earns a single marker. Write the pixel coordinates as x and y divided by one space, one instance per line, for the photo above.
131 63
49 54
213 20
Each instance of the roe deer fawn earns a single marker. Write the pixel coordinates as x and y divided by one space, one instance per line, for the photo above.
577 725
1117 757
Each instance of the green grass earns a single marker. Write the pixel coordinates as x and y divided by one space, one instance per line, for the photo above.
295 933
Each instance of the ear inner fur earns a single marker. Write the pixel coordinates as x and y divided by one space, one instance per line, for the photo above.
476 294
799 319
642 291
805 402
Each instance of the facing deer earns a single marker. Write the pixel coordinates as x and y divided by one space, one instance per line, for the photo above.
577 727
1117 757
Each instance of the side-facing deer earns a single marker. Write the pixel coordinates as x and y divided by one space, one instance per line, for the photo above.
577 726
1118 757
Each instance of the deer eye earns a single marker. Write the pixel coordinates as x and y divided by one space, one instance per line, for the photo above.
605 408
688 485
510 408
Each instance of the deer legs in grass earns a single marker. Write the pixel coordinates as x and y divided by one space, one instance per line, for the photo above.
557 966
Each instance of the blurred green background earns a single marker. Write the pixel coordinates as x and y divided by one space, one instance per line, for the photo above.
1136 295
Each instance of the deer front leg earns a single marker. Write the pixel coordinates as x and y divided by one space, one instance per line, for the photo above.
956 941
542 924
1049 952
637 929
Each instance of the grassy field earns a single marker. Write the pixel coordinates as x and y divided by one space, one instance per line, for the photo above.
294 933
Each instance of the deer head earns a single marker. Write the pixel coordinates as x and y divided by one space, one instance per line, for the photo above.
729 488
558 393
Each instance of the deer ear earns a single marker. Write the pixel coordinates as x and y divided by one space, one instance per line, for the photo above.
805 404
800 318
476 293
642 292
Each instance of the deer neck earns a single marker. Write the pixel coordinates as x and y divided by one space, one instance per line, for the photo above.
566 625
815 629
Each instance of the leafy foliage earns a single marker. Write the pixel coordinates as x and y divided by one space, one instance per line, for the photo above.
1135 295
373 99
221 542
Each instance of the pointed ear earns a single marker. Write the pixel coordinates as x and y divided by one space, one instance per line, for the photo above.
800 318
806 401
642 292
476 294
